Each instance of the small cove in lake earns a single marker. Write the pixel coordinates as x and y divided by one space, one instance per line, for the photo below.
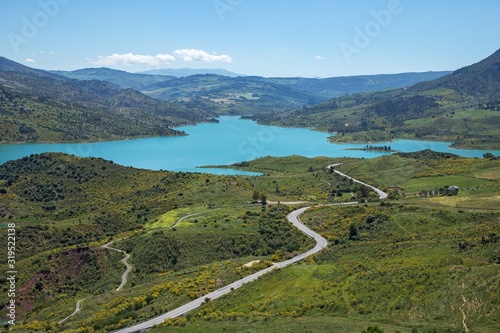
230 141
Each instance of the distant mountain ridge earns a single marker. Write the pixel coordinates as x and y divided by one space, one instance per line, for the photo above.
341 85
182 72
120 78
248 94
9 66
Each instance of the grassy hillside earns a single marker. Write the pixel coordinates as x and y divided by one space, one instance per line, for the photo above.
422 261
411 269
65 208
461 107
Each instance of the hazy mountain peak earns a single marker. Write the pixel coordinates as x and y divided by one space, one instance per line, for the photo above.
182 72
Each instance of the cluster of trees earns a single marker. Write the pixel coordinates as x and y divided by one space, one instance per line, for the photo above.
445 190
347 185
258 196
489 156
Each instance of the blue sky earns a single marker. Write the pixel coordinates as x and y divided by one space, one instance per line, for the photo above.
309 38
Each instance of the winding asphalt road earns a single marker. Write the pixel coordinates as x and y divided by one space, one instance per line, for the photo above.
381 194
294 218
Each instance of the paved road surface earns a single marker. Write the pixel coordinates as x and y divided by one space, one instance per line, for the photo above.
293 217
381 194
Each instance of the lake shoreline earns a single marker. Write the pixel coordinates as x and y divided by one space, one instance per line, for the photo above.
227 142
330 138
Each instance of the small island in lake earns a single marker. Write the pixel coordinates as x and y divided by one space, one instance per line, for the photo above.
375 148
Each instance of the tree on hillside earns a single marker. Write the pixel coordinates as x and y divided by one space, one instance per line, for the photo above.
488 155
353 232
255 196
263 199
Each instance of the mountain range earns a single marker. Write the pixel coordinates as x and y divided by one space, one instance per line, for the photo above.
36 105
103 104
120 78
231 94
182 72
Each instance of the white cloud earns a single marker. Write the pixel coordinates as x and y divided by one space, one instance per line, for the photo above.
189 55
131 59
29 60
318 58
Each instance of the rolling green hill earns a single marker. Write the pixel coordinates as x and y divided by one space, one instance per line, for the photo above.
38 106
462 107
480 80
240 95
253 94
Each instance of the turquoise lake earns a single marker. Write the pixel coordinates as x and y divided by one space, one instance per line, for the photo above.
229 141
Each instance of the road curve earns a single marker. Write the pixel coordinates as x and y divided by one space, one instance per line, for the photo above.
293 217
381 194
124 261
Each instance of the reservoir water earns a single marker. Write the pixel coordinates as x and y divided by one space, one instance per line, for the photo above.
229 141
